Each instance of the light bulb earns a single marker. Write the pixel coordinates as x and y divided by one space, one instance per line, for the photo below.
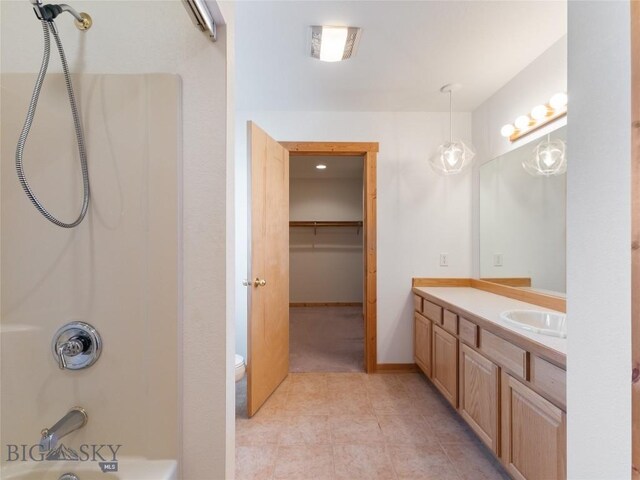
558 101
548 159
452 154
539 112
522 122
451 158
507 130
321 167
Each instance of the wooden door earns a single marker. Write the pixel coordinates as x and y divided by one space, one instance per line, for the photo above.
268 327
445 364
534 434
479 395
422 346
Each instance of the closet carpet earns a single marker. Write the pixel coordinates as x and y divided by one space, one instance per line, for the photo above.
326 339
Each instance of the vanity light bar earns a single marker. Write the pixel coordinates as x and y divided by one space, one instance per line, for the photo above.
539 116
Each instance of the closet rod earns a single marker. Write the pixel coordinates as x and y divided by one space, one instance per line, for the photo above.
325 223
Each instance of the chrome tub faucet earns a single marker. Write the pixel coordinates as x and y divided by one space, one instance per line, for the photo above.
75 419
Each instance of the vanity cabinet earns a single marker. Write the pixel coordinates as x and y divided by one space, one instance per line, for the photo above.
479 396
510 392
445 364
533 433
422 343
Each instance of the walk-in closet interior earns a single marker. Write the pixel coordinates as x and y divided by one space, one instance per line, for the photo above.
326 264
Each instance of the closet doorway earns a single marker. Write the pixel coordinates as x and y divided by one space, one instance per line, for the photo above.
326 264
359 158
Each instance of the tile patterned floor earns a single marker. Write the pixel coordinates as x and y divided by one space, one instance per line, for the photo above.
355 426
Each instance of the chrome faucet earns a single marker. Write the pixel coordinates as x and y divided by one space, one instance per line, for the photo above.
74 419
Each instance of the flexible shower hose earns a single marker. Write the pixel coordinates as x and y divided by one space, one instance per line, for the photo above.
50 27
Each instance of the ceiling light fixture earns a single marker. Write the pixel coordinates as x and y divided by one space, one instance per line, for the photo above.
333 44
540 116
549 158
454 156
321 167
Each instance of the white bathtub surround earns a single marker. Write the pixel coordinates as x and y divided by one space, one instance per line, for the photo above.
118 270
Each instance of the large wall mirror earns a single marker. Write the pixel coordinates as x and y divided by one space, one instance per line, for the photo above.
523 222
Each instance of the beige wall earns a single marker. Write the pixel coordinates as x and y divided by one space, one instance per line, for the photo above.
326 265
158 36
116 271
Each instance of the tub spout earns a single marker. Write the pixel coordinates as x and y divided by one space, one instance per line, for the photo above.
74 419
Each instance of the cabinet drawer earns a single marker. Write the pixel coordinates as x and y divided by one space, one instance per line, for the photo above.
432 311
550 379
450 322
504 353
468 332
417 303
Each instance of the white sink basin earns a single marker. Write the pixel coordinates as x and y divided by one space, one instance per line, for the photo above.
545 323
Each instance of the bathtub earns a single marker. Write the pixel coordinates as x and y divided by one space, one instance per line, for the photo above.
129 468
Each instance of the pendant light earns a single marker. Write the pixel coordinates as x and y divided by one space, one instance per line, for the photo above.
451 157
549 158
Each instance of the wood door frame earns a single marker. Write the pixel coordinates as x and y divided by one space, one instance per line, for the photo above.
635 237
369 152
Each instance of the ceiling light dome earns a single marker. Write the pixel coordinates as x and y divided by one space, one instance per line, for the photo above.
549 158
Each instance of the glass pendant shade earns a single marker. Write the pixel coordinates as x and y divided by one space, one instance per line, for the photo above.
451 158
549 158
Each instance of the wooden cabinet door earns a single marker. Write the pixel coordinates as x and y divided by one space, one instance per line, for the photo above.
479 395
444 368
422 343
534 434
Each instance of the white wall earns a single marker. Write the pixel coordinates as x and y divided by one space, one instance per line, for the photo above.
598 241
523 219
325 265
534 85
420 214
158 36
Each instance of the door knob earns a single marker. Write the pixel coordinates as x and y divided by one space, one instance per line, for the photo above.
259 282
245 282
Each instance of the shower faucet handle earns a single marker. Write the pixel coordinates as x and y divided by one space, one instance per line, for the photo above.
72 347
76 345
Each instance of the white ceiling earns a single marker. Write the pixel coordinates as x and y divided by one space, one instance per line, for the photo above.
407 52
337 167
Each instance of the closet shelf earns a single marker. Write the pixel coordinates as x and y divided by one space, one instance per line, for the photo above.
331 223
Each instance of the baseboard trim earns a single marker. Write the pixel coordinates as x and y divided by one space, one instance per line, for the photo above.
325 304
396 368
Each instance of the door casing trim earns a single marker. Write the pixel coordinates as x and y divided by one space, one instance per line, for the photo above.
369 151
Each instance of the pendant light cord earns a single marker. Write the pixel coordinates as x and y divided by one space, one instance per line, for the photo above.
450 118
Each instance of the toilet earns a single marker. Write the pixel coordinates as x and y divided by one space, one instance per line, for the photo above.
240 367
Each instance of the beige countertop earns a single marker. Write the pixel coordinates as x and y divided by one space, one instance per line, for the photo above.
488 306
